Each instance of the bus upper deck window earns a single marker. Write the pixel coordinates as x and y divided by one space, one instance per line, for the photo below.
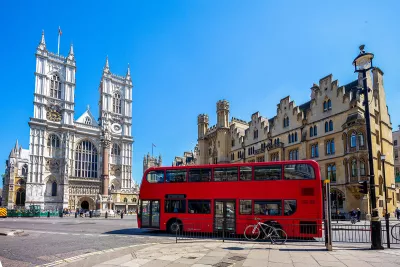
155 177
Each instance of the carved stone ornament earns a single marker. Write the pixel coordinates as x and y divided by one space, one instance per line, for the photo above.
54 113
106 138
52 165
115 170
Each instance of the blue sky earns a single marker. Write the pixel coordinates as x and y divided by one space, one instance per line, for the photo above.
187 55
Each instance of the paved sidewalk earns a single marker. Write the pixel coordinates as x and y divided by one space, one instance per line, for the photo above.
218 254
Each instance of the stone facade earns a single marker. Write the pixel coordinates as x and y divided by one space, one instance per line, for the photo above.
330 128
188 158
15 177
84 163
150 161
396 151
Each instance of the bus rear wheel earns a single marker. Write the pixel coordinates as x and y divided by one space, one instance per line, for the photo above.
175 226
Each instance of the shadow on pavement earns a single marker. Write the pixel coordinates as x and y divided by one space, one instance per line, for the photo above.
138 232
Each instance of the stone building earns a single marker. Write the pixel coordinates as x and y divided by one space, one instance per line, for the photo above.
396 148
84 163
188 158
15 177
330 128
150 161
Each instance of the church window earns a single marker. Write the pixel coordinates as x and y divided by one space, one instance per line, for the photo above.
54 189
25 170
116 150
88 121
330 125
55 87
86 160
315 130
117 103
353 140
329 104
53 145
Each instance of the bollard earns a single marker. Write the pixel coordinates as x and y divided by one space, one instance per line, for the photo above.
90 214
122 215
48 214
76 214
106 215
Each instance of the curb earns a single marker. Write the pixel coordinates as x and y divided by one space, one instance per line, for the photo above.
87 255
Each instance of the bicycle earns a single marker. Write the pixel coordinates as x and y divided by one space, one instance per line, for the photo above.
276 235
353 219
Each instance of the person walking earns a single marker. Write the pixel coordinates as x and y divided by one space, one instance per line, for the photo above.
397 211
358 214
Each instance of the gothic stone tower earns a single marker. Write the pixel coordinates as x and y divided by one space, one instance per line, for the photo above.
53 108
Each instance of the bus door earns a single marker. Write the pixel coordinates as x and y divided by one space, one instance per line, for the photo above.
224 212
150 213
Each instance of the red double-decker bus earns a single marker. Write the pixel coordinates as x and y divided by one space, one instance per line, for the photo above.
287 193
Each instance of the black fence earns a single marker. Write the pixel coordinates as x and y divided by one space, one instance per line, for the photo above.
299 231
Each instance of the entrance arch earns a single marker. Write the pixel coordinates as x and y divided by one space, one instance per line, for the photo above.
85 205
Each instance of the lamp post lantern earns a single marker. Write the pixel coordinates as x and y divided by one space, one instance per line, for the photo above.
383 158
363 63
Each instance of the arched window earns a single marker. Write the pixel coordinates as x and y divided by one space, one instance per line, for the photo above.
329 104
117 103
315 130
289 138
278 141
332 172
88 120
24 171
134 200
116 150
354 168
362 168
54 189
20 201
53 145
112 187
86 160
326 127
325 106
353 140
311 132
55 87
125 200
330 125
361 139
295 136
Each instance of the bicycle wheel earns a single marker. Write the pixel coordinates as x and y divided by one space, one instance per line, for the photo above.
278 236
396 232
252 232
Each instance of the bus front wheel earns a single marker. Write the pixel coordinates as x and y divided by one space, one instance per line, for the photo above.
175 226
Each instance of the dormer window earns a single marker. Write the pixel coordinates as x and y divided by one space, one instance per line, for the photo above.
88 121
55 87
285 122
255 134
327 105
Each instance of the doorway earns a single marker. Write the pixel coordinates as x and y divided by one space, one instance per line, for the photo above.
225 212
150 213
85 205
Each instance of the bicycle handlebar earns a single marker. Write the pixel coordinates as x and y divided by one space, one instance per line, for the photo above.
257 219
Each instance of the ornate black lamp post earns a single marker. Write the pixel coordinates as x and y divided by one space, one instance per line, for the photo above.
363 63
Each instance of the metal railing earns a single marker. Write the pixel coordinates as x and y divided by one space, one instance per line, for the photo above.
308 231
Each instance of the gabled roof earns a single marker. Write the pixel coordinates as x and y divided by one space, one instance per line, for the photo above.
86 114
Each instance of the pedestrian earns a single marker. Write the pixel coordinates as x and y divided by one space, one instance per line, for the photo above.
397 213
358 214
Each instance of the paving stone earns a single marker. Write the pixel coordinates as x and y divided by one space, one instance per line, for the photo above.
255 263
279 264
135 262
256 254
119 260
156 263
210 260
332 264
356 263
218 253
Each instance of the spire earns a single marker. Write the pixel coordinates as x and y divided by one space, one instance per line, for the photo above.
71 55
16 145
128 73
88 107
42 44
107 67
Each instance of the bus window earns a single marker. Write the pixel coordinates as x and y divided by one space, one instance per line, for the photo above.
199 206
290 207
245 207
199 175
267 207
245 173
175 176
155 177
272 172
299 172
175 206
225 174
